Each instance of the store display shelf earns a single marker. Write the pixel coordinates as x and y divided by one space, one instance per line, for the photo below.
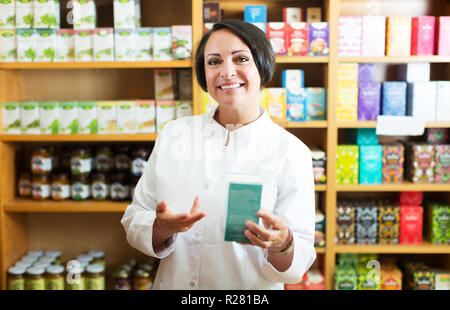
306 124
98 65
81 138
395 59
320 187
28 205
424 248
301 59
405 186
373 124
320 250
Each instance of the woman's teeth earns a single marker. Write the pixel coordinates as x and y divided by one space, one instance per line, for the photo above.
230 86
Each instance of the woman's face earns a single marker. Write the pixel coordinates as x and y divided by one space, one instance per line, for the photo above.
232 77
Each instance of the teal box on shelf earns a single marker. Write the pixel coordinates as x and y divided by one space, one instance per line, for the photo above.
363 136
370 164
315 103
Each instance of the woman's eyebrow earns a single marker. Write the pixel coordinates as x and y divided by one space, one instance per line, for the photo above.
232 53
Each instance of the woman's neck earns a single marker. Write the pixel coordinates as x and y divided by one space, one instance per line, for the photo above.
235 118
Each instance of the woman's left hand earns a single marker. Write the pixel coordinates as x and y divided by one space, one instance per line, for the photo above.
274 235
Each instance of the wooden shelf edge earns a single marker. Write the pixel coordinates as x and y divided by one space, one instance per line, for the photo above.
395 59
320 250
424 248
373 124
405 186
69 206
306 124
301 59
98 65
80 137
320 187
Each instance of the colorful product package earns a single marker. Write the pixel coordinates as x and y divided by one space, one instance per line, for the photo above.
87 117
68 117
438 223
423 280
65 45
318 39
421 100
165 112
182 41
367 280
393 98
24 14
8 14
276 31
393 159
422 35
126 116
84 14
46 14
420 162
437 135
184 83
443 36
84 45
126 14
350 36
276 102
107 117
256 15
319 161
442 102
162 44
295 104
145 116
124 45
313 279
29 118
103 44
414 72
373 36
442 170
293 15
183 108
369 99
345 222
211 12
348 73
164 84
345 278
391 277
388 223
26 45
45 45
370 164
367 72
347 164
319 231
209 104
313 14
363 136
49 117
411 219
293 79
144 44
398 36
366 223
8 46
442 279
297 39
315 103
411 198
11 118
347 101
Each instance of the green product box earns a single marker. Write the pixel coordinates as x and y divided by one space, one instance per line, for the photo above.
367 279
345 278
439 223
347 164
348 259
87 117
49 117
29 118
68 117
363 136
11 118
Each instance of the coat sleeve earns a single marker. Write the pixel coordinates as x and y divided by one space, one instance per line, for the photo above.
140 215
295 204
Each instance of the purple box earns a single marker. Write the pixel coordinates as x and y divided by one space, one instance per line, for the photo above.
367 72
394 98
369 95
318 39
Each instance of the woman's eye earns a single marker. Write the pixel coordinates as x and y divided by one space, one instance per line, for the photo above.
242 59
212 62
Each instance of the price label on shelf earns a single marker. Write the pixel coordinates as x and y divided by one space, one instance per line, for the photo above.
400 126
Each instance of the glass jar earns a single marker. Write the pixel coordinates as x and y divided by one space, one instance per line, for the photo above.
60 186
84 259
34 279
81 188
41 161
104 161
95 277
55 254
16 278
98 257
81 161
100 186
142 280
121 280
25 186
122 158
120 188
76 278
41 187
139 159
54 278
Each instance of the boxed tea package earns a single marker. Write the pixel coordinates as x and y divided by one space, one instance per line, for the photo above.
8 46
370 164
393 159
65 45
421 100
319 161
348 259
411 224
293 79
437 135
8 14
144 44
26 45
184 83
11 118
367 280
367 72
313 279
125 44
393 99
363 136
276 31
127 14
442 279
443 36
145 116
348 73
318 39
276 102
391 277
45 45
164 84
315 103
388 223
423 279
347 101
183 108
345 278
84 45
46 14
256 15
295 104
373 36
319 231
211 12
103 44
398 35
165 112
29 118
411 198
68 117
438 223
293 15
24 14
162 43
84 14
345 222
347 164
49 117
442 102
313 14
87 117
442 161
297 39
126 116
414 72
107 117
366 222
350 36
422 35
369 99
182 41
420 162
209 104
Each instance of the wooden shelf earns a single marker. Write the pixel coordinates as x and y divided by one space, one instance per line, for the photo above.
81 138
405 186
373 124
320 250
301 59
320 187
28 205
97 65
424 248
395 59
306 124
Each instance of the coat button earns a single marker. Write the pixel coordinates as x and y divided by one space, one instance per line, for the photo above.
196 235
192 283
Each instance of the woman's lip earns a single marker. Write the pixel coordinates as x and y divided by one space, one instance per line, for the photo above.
228 84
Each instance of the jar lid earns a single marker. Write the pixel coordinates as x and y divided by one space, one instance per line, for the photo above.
20 264
84 258
54 269
95 268
96 253
36 270
76 268
46 259
120 274
41 265
52 253
140 273
35 253
16 270
28 259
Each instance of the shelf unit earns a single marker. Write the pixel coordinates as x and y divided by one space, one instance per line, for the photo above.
75 226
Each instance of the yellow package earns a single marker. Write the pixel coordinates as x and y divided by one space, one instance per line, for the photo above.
276 102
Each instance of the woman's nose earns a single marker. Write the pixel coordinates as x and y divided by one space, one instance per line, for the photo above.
228 70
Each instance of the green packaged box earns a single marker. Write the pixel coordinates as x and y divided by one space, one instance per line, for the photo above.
26 45
347 164
368 278
345 278
8 46
45 45
68 117
11 118
439 223
29 118
7 14
49 117
87 117
46 14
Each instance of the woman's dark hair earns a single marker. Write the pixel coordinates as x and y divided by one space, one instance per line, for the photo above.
256 40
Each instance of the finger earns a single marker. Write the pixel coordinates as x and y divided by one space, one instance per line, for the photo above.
161 207
255 240
262 233
195 206
173 218
270 219
193 219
